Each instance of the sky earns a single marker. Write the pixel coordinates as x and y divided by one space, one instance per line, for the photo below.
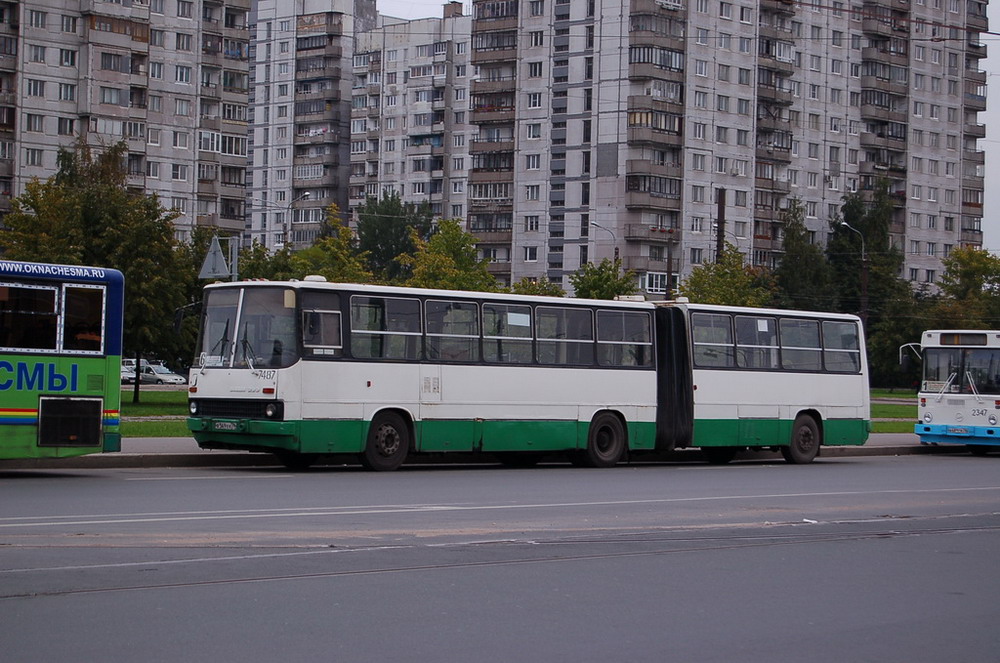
991 207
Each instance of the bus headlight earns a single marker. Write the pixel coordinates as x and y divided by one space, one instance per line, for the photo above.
193 408
928 417
272 410
992 419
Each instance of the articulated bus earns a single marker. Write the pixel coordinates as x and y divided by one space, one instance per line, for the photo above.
308 368
60 359
959 397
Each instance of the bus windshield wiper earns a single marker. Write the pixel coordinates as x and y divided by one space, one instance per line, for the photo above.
248 352
972 386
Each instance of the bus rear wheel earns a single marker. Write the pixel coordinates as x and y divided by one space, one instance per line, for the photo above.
804 445
605 441
388 443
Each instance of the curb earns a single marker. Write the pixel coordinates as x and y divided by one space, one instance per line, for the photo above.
247 459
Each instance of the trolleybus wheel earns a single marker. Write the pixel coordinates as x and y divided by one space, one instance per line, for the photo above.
388 443
719 455
605 441
296 461
978 449
804 445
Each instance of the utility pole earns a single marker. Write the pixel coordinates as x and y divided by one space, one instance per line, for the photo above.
720 215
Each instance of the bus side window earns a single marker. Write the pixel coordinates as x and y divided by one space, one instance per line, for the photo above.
756 342
321 328
800 346
565 336
624 338
841 347
83 319
507 334
28 317
452 330
712 336
385 328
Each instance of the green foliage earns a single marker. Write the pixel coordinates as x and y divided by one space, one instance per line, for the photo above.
543 286
386 230
84 214
448 260
728 282
335 257
802 280
256 262
603 281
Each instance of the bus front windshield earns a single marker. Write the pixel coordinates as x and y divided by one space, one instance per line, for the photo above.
962 371
249 328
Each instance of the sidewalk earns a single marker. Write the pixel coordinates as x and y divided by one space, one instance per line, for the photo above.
184 452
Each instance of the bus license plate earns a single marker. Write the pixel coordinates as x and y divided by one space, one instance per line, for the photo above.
224 425
952 430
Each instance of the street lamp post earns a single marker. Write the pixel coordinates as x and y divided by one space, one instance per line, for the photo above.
864 274
286 209
614 237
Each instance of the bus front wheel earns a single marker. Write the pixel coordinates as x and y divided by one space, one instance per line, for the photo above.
388 443
804 445
605 441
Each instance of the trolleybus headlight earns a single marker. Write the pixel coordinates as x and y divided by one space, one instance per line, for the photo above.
928 417
193 408
271 410
992 419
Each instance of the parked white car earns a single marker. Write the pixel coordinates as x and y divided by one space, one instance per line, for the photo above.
159 374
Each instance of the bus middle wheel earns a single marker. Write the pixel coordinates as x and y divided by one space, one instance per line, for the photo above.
605 441
388 443
804 445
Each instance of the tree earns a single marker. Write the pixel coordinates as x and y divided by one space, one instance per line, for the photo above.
85 214
386 229
866 255
448 260
334 257
603 281
727 281
541 287
256 262
803 277
971 288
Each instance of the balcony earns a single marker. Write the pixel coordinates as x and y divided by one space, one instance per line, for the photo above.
499 23
773 95
872 112
892 87
888 57
976 23
974 130
491 85
777 186
485 114
642 264
494 55
640 232
875 140
642 71
493 236
786 7
646 200
647 167
647 135
480 146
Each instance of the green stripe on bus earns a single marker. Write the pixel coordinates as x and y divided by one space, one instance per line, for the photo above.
771 432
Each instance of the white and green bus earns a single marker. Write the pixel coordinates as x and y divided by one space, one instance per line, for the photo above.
305 369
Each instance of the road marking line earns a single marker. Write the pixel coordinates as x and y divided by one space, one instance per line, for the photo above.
111 519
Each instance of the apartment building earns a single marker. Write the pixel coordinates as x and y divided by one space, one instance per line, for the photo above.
300 116
646 129
561 132
168 76
410 126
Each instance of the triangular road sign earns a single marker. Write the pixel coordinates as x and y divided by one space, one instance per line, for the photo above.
215 265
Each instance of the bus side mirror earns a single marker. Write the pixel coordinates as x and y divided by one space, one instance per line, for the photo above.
906 362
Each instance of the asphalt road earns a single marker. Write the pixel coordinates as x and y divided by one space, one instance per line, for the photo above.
860 558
